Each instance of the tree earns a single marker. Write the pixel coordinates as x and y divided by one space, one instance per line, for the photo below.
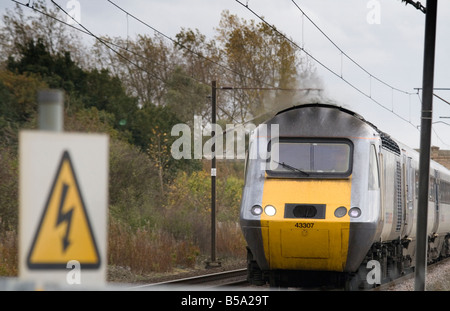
84 88
186 97
151 128
106 92
143 65
19 29
18 94
9 185
159 153
199 55
57 70
263 59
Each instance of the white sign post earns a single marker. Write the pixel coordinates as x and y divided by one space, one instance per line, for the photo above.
63 197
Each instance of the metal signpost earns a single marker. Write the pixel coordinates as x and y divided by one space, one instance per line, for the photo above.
213 262
425 144
63 192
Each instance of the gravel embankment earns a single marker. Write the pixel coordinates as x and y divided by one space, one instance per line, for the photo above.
437 279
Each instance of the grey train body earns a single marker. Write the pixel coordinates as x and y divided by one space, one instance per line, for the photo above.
383 174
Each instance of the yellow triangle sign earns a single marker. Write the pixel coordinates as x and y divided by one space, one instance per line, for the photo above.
64 232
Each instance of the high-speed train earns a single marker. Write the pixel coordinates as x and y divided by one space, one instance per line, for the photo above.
327 192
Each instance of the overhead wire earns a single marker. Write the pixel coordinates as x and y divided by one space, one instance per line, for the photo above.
433 128
448 103
177 43
343 53
199 55
269 87
106 44
126 48
50 16
369 96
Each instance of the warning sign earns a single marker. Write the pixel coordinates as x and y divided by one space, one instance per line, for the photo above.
63 191
64 232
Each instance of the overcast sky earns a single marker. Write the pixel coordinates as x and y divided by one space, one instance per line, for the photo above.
385 37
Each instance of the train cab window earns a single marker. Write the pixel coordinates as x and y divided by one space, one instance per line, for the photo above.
374 180
311 158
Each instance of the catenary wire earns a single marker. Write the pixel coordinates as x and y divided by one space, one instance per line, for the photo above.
106 44
199 55
323 65
346 55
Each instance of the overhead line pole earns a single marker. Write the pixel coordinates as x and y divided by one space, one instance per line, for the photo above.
213 262
425 144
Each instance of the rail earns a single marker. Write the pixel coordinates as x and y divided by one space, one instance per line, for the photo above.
219 279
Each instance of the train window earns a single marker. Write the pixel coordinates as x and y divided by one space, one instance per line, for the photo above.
445 192
417 183
304 158
431 190
374 181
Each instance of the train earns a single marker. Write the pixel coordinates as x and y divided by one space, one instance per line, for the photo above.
327 194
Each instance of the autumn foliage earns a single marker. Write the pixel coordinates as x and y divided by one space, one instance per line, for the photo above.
159 207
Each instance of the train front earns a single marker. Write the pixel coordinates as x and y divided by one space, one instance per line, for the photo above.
311 200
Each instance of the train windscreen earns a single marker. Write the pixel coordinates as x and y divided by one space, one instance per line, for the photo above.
303 158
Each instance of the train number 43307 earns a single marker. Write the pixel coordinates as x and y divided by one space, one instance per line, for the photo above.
304 225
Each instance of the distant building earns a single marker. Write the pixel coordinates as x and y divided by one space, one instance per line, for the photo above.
441 156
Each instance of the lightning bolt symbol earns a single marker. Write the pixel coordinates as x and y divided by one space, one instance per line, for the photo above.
64 217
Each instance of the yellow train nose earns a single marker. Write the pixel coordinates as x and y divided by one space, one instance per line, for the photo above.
307 232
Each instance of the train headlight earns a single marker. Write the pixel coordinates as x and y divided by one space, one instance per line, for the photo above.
270 210
256 210
341 211
354 212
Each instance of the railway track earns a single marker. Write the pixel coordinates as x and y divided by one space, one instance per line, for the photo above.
236 277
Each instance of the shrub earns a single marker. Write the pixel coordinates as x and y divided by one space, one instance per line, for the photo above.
8 253
146 250
9 187
133 186
188 208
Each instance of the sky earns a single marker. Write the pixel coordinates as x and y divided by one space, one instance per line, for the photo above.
385 38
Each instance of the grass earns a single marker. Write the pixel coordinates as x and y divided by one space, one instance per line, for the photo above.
154 250
8 254
144 250
151 233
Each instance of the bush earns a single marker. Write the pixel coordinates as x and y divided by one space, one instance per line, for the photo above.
9 187
133 186
8 253
146 250
230 240
188 208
